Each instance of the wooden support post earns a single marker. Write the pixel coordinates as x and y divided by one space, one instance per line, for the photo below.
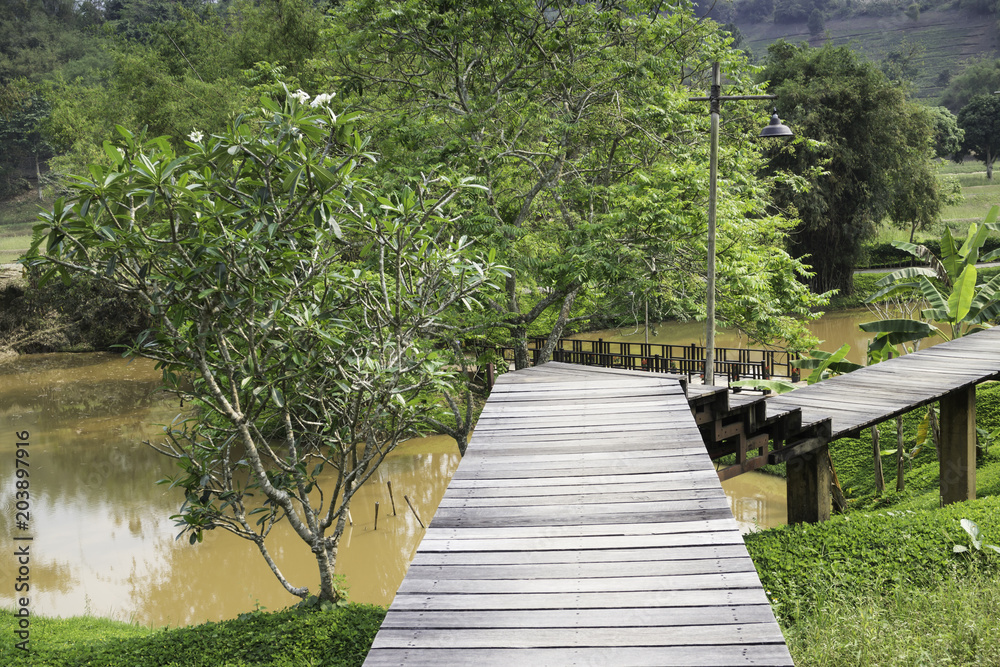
958 446
808 485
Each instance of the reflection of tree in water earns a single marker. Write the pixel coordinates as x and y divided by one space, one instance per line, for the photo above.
67 389
87 415
91 475
225 576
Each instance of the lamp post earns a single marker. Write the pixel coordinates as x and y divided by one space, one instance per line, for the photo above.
774 129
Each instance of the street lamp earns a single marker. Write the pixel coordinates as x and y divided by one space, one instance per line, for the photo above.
774 129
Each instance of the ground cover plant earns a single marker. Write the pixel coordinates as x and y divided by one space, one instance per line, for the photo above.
336 637
882 585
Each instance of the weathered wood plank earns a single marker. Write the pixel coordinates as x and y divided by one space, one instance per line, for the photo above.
582 517
543 543
581 618
570 558
625 467
591 496
653 568
691 635
731 656
524 586
604 600
640 478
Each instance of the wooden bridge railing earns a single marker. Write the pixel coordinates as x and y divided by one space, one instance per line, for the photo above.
736 363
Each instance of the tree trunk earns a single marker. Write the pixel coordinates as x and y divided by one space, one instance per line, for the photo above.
935 428
38 178
520 343
900 480
557 330
325 558
877 459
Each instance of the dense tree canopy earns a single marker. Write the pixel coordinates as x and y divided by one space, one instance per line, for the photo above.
978 77
980 121
876 145
575 116
299 306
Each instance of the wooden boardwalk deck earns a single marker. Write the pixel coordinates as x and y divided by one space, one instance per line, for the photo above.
585 525
842 406
876 393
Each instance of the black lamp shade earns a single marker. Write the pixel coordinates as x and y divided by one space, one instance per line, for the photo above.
775 128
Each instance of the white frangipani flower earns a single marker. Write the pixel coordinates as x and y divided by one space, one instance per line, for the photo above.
301 95
196 136
322 99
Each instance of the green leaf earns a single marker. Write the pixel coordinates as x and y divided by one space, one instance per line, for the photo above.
776 386
960 299
896 331
836 357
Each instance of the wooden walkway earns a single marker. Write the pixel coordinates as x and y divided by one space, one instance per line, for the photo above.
585 525
842 406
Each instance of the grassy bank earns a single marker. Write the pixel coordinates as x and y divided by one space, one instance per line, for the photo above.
882 584
290 638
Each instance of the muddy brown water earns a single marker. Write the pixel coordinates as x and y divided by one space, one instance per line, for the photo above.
102 540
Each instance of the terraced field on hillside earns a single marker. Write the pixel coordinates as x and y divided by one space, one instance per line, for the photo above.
945 40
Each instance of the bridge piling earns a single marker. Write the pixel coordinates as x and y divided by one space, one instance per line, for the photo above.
958 446
808 486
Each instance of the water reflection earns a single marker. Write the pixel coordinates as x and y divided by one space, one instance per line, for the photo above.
103 540
757 500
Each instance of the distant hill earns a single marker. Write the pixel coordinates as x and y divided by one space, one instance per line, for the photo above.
941 40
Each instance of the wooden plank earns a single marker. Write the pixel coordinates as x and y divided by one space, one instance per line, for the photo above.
544 543
732 656
592 496
524 586
597 506
610 555
653 568
581 517
581 618
717 597
642 478
573 477
690 635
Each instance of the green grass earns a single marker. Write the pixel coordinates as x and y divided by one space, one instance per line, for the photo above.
17 217
952 623
979 195
882 585
289 638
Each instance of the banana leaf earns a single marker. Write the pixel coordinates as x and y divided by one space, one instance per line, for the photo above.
960 299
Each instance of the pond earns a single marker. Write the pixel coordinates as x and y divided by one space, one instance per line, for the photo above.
103 542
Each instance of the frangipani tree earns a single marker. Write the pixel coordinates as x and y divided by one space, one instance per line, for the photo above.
298 308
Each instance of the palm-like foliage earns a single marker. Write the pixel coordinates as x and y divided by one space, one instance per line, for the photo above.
948 286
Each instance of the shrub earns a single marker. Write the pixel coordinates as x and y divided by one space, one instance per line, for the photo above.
866 553
338 637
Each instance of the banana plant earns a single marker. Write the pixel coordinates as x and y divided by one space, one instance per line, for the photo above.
947 284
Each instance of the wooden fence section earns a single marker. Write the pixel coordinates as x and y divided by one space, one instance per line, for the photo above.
734 363
585 525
